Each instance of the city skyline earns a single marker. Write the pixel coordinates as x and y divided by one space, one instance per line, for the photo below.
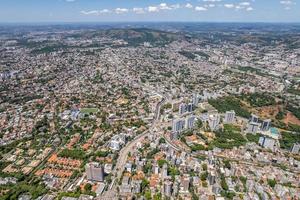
33 11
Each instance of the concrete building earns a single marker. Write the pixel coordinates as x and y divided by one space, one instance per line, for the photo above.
265 126
195 99
252 127
182 108
267 143
190 122
168 188
296 148
213 121
178 125
94 172
254 118
229 117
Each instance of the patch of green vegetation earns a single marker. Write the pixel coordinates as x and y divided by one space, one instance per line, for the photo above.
259 99
272 182
73 153
88 110
161 163
35 190
223 183
294 110
187 54
253 137
288 139
197 147
293 91
229 103
203 176
228 138
254 70
101 153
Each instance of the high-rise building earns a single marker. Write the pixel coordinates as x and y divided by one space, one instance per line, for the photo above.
266 142
252 127
182 108
265 126
94 172
178 125
185 183
296 148
164 171
195 99
190 122
190 107
254 118
213 121
229 117
212 178
168 188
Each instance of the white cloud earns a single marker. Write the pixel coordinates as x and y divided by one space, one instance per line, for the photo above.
153 9
212 0
175 6
95 12
287 4
121 10
69 0
200 8
164 6
244 4
210 5
91 12
138 10
249 9
229 5
104 11
188 5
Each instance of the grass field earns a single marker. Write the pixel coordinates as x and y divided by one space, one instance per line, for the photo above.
89 110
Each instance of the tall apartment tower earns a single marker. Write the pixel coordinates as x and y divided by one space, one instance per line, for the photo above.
94 172
229 117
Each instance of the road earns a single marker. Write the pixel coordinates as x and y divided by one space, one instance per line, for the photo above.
123 154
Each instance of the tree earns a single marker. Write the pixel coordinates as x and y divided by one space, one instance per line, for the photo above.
148 195
272 182
88 187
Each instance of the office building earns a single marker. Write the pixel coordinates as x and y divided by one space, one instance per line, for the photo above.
94 172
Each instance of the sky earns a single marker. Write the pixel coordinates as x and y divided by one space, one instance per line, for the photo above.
33 11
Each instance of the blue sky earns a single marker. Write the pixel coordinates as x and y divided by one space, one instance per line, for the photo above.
149 10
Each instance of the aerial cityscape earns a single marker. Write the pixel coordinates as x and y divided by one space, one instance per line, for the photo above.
150 109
